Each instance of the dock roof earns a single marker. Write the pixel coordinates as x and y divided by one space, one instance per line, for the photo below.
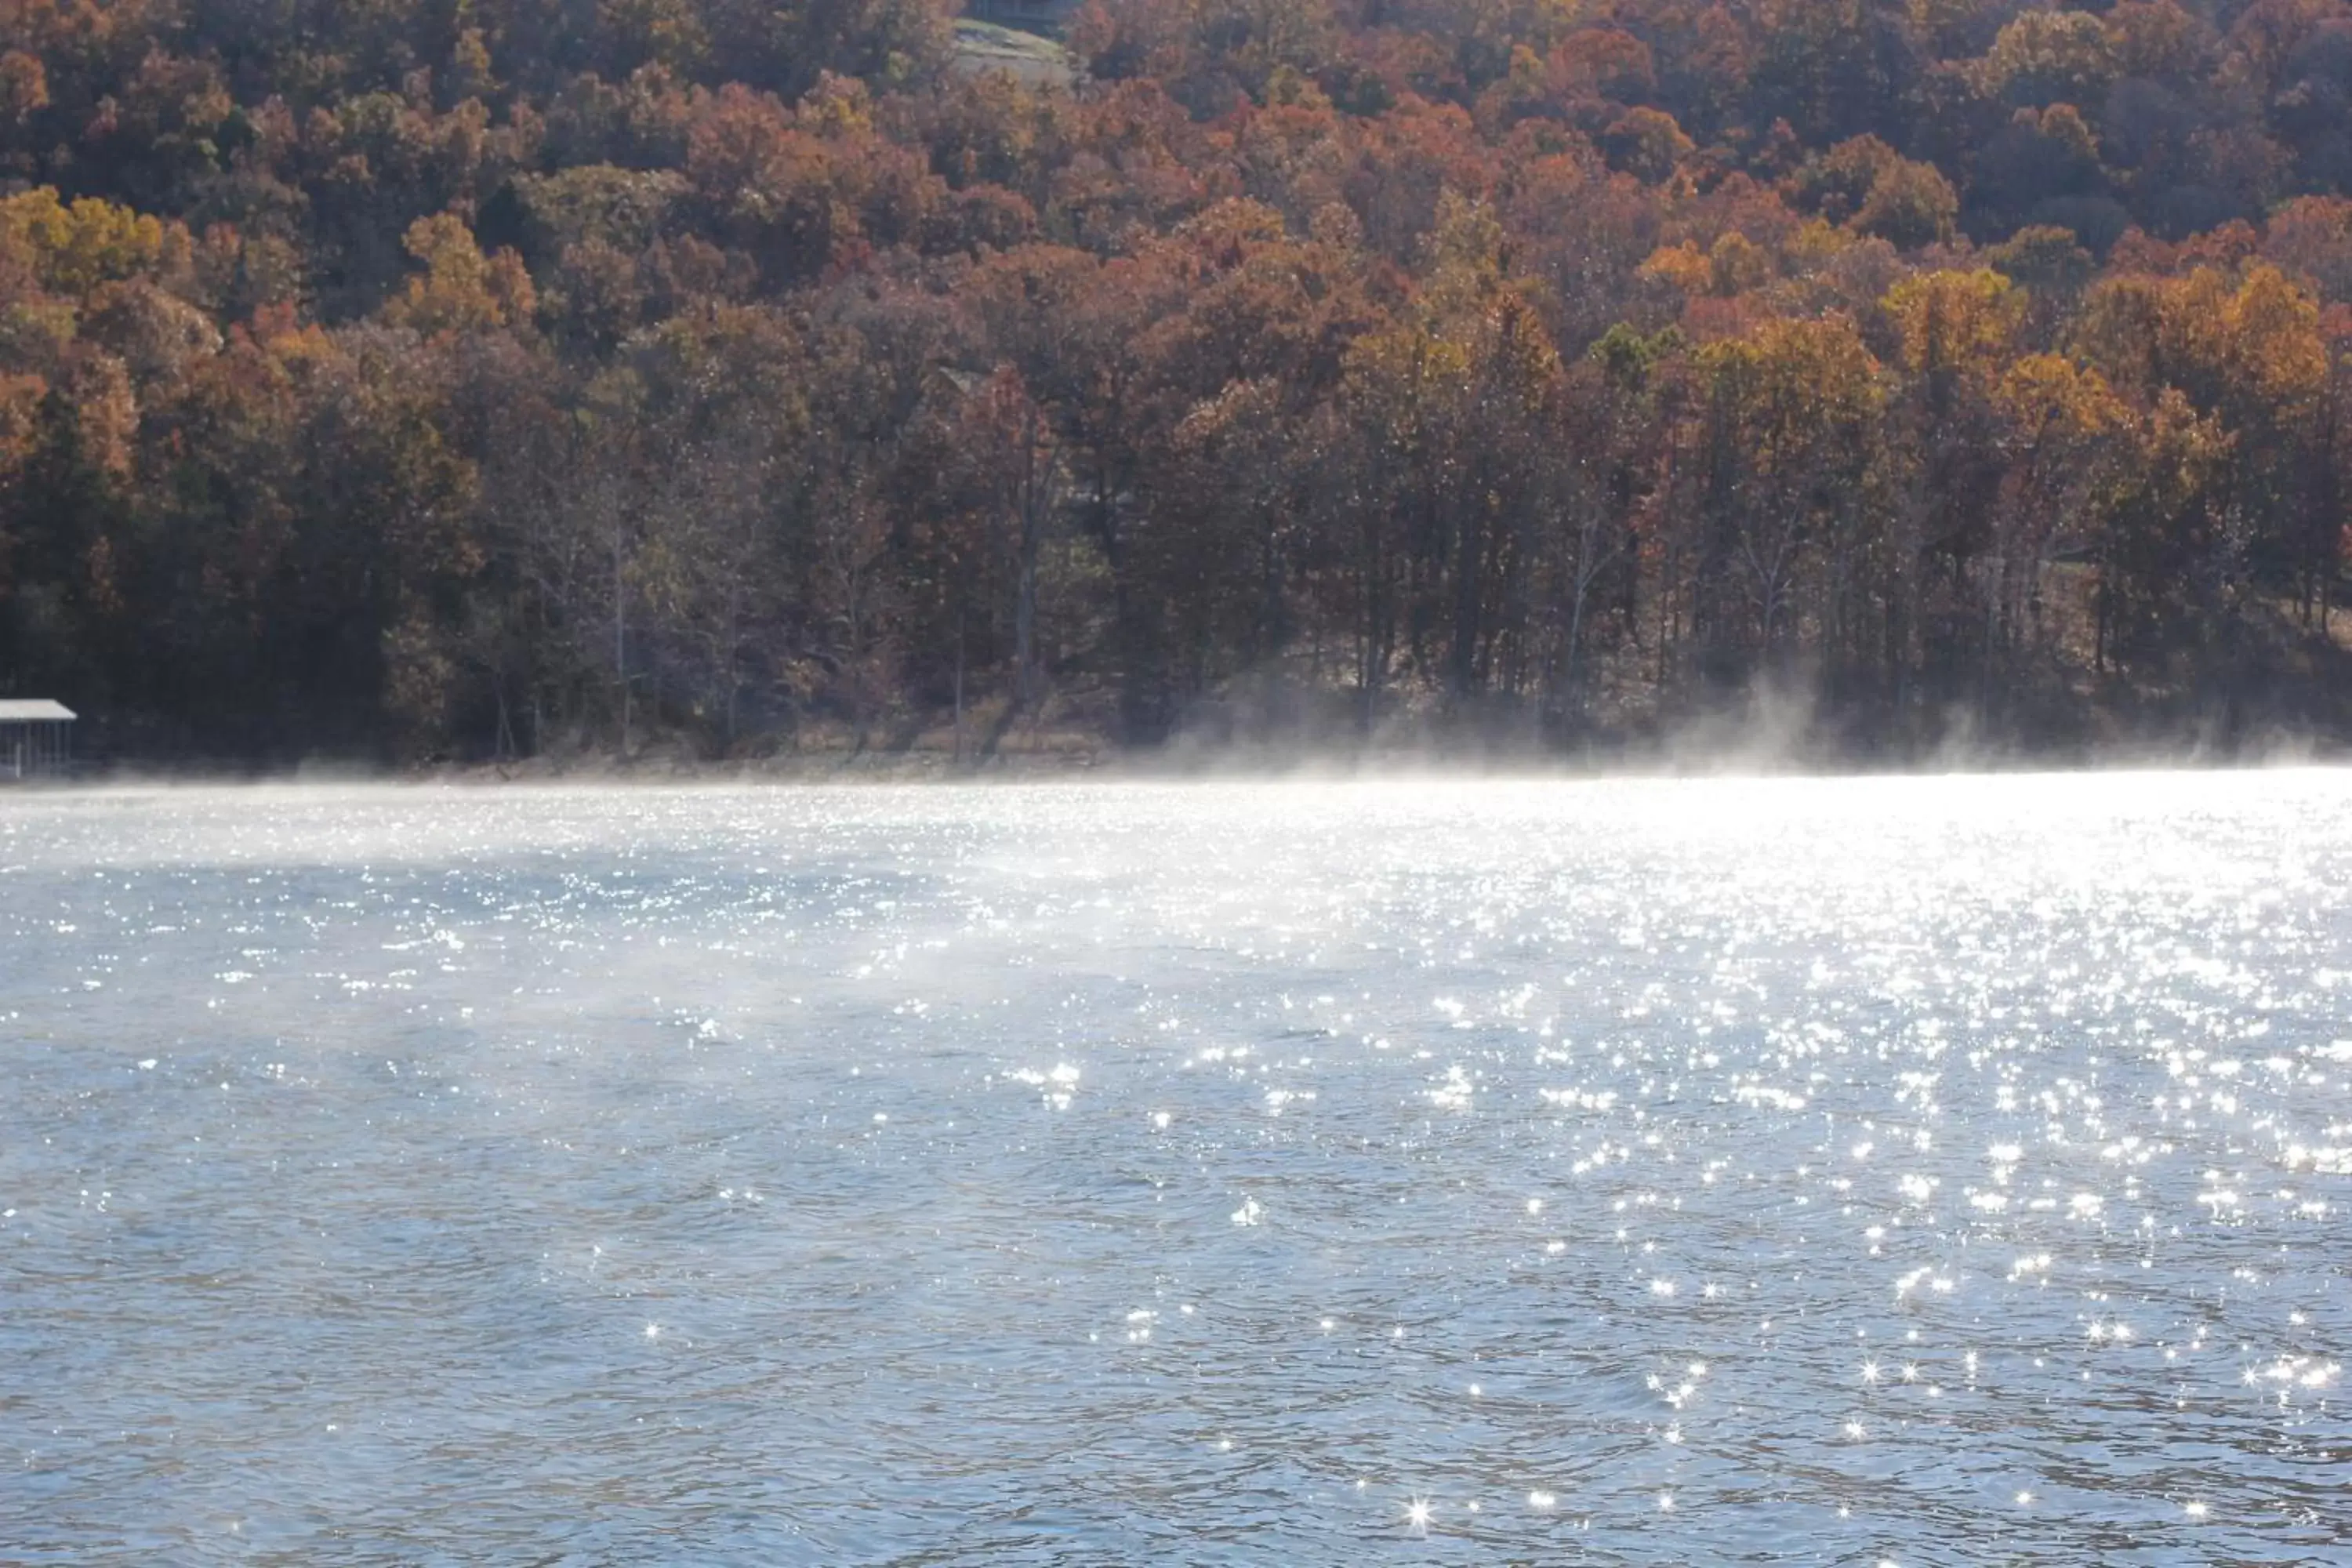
33 711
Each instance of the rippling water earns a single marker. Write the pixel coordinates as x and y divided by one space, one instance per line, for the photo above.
1933 1171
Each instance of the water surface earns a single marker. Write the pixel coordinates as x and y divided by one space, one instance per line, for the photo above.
1930 1170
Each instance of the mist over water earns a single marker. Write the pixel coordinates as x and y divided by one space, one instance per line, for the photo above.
1928 1170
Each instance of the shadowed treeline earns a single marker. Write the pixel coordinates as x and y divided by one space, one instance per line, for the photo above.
519 378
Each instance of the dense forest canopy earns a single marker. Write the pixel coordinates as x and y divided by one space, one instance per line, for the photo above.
479 377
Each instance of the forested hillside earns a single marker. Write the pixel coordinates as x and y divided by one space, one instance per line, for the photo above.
482 377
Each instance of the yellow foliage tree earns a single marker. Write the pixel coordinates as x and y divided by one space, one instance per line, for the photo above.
74 248
460 290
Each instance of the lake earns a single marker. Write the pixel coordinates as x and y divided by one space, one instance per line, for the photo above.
1922 1170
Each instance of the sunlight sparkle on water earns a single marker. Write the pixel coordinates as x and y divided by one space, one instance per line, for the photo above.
1925 1136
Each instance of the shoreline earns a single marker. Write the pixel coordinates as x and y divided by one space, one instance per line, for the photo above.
1111 764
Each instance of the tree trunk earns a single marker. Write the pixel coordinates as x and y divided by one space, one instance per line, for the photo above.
1033 539
958 688
621 637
